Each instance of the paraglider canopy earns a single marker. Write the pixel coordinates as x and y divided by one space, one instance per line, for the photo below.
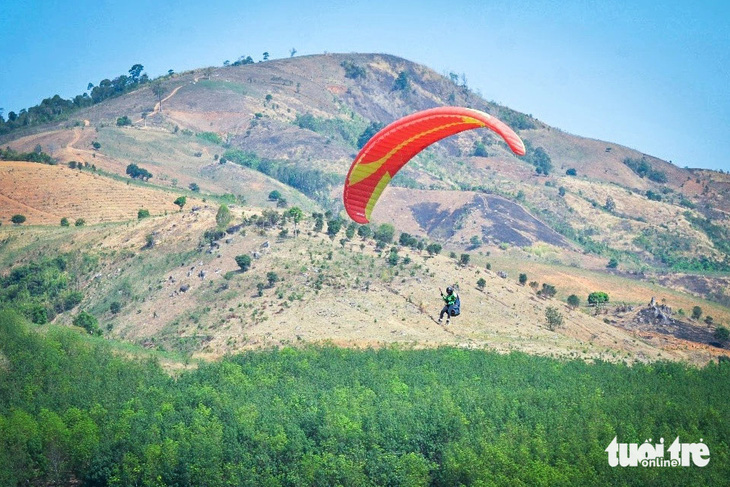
391 148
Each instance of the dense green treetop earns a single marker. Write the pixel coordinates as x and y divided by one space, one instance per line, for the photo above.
70 408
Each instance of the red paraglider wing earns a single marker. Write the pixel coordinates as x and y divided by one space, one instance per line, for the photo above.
391 148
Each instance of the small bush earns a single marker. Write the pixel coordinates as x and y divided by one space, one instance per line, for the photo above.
211 137
610 205
272 278
368 133
384 233
18 219
696 313
547 291
407 240
333 227
223 217
353 71
597 297
433 249
244 262
402 82
553 317
644 169
480 150
136 172
88 322
722 334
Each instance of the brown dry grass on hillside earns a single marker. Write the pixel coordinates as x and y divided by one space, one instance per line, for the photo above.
73 144
581 282
45 194
362 302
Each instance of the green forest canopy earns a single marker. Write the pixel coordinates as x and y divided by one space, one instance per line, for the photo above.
70 408
57 108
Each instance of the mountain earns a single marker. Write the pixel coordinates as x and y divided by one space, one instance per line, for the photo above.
561 214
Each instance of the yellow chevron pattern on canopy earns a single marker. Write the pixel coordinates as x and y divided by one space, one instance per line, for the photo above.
391 148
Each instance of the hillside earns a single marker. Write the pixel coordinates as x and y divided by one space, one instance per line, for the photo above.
292 126
185 294
306 113
45 194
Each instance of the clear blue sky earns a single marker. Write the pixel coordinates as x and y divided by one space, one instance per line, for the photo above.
654 76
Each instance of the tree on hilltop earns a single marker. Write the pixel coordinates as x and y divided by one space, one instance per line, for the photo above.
135 72
158 91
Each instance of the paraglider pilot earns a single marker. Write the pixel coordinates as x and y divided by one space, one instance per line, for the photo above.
450 300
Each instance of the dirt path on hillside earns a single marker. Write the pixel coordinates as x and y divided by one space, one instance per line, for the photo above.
75 140
70 148
156 109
